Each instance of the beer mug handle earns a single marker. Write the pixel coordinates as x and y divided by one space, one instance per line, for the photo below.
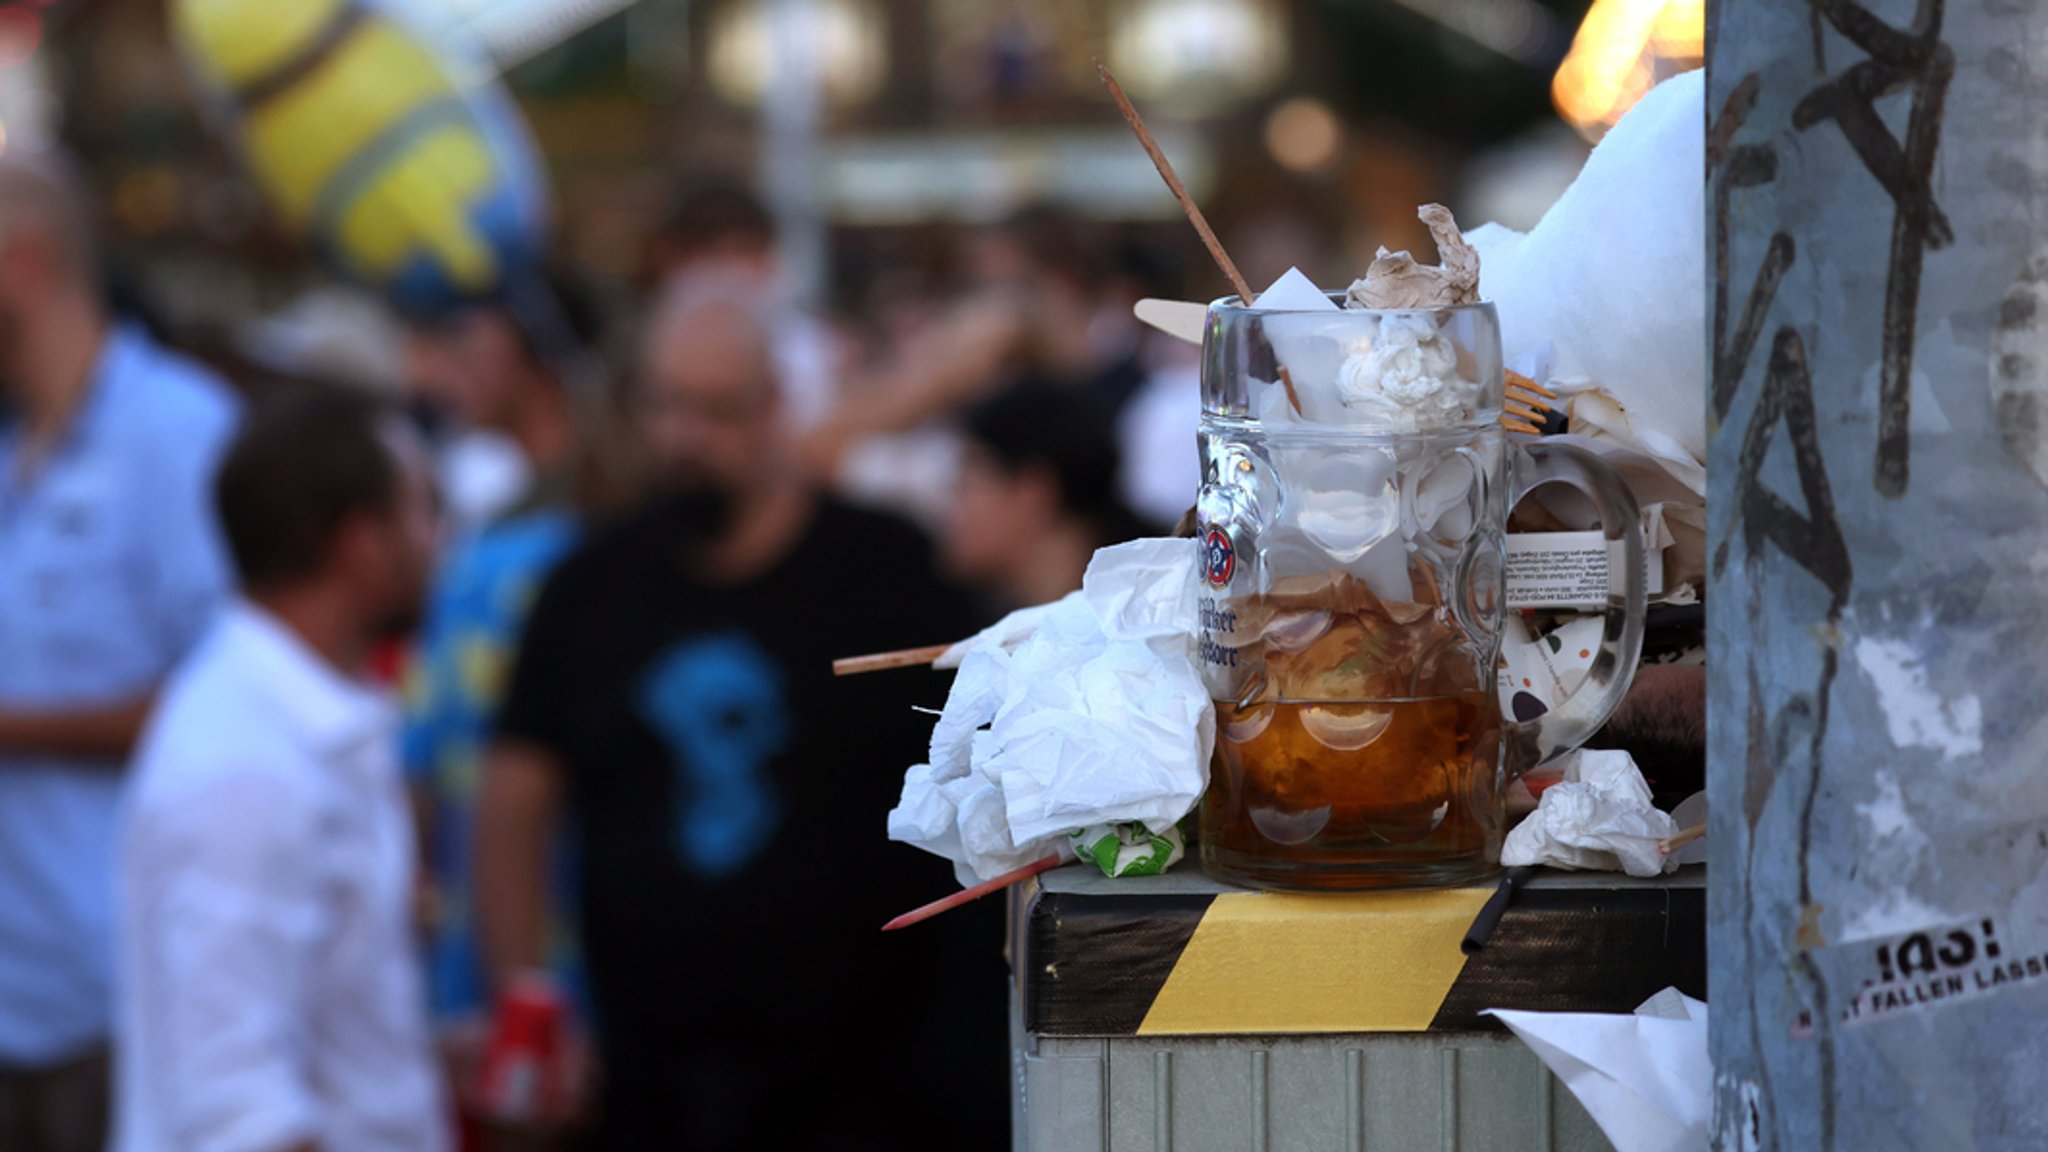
1575 718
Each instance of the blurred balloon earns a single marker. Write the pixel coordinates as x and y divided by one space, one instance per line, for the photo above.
401 156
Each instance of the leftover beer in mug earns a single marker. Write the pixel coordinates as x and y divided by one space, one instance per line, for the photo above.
1307 792
1366 743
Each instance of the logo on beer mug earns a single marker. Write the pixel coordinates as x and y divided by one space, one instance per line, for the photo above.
1219 559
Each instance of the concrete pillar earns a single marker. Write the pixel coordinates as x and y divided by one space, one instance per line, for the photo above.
1878 218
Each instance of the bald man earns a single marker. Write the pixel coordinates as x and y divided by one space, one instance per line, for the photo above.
110 568
673 695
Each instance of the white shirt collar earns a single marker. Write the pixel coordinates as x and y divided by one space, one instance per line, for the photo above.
330 709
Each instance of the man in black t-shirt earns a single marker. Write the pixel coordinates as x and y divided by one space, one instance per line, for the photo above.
673 693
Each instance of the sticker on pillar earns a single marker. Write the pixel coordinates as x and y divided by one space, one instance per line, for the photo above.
1927 969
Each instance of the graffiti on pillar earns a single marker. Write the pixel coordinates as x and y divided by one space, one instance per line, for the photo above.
1740 166
1913 61
1805 528
1812 537
1812 540
1917 62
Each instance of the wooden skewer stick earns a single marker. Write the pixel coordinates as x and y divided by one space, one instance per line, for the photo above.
1180 192
1522 426
881 661
1188 205
1516 408
1519 381
1683 838
971 894
1293 397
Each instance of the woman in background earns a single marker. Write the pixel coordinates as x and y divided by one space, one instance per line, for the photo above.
1037 494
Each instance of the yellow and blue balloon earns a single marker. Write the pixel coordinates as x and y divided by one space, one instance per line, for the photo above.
406 164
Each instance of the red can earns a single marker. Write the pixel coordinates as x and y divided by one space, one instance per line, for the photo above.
521 1062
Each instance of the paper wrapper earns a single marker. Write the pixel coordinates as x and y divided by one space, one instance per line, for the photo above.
1130 849
1646 1079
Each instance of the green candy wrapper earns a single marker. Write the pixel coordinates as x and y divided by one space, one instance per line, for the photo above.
1129 849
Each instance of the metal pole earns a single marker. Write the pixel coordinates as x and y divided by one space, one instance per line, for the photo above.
791 170
1878 222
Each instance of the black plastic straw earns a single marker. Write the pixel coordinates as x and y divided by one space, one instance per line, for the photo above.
1489 916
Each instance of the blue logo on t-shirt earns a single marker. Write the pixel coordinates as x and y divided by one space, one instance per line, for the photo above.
717 702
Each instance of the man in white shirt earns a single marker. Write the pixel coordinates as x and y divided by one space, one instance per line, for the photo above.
267 993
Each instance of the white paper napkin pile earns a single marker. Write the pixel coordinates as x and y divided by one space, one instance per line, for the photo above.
1084 712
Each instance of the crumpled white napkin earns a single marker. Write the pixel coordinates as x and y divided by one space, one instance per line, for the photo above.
1600 819
1646 1079
1295 292
1614 277
1093 713
1607 292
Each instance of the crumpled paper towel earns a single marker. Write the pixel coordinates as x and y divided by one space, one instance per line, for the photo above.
1004 634
1598 819
1646 1079
1085 712
1607 293
1395 280
1311 346
1614 277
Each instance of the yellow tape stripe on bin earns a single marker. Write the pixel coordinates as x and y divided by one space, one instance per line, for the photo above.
1284 963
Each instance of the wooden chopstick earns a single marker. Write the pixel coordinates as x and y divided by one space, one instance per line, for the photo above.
1683 838
882 661
1188 205
1179 190
969 895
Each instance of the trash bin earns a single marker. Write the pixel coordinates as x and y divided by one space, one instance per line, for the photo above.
1174 1013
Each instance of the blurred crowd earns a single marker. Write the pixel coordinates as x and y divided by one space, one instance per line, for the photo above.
443 662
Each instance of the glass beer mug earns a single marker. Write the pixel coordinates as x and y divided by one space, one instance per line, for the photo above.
1352 517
